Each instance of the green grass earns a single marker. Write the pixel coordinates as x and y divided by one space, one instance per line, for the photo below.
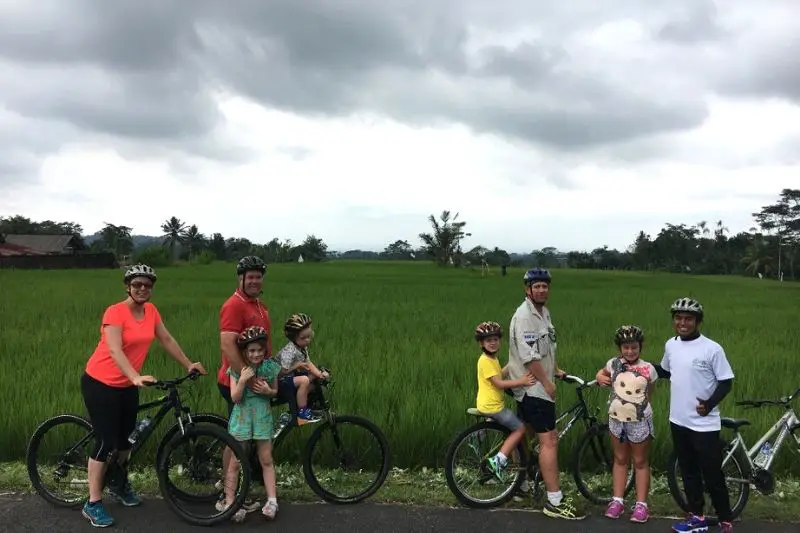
398 337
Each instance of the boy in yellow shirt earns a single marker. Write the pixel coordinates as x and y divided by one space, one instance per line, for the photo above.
491 383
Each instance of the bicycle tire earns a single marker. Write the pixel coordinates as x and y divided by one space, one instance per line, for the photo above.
199 418
596 433
33 446
465 499
674 475
219 434
326 425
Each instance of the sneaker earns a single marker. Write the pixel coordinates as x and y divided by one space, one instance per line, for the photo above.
96 515
615 509
640 513
249 505
725 527
238 516
566 510
692 524
305 417
270 509
125 495
496 467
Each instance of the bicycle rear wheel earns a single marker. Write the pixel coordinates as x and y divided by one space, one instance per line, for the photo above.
736 470
61 457
592 463
330 464
194 459
467 472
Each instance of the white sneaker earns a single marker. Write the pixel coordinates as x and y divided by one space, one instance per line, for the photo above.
270 509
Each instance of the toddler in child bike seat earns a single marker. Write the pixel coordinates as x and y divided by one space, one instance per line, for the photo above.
251 419
298 373
630 419
490 399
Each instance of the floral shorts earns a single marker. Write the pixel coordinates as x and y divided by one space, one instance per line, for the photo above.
635 432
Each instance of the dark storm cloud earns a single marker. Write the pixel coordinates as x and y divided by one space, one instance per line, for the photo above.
145 71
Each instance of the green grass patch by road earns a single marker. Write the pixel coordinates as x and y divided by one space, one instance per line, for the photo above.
398 337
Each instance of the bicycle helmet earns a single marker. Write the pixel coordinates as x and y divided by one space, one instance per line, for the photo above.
252 334
628 333
488 329
136 271
295 324
687 305
535 275
250 262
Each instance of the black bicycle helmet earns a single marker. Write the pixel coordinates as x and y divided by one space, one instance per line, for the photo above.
535 275
250 262
295 324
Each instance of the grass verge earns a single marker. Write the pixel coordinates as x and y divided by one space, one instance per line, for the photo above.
428 487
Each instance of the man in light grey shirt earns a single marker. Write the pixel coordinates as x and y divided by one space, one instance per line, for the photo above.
532 347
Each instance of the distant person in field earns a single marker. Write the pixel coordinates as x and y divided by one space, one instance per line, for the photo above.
630 419
251 421
700 377
111 381
491 398
532 348
243 309
298 373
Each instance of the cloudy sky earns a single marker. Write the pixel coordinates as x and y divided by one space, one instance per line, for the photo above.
572 124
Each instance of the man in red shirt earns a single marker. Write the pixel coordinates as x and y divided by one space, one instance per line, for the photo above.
242 310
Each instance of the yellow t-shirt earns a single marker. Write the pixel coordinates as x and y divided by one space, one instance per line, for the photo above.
490 398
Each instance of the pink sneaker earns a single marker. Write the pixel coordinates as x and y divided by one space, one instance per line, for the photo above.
726 527
640 513
614 509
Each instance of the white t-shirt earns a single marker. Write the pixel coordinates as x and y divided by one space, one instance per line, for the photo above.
695 367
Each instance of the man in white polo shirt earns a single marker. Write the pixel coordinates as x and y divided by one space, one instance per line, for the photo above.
700 377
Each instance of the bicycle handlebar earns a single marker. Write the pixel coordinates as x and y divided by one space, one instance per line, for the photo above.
782 401
172 383
569 378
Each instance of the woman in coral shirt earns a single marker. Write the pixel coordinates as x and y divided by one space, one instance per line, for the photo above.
110 384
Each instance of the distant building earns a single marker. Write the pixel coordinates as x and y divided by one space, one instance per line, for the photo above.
16 245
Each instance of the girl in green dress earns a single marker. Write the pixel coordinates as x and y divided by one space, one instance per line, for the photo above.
251 418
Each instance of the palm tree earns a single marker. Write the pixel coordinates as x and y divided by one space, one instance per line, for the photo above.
174 233
444 244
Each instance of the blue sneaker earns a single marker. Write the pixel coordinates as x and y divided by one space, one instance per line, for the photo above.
125 495
693 524
96 514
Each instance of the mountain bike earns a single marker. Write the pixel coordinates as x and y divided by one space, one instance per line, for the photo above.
592 460
195 464
744 467
327 443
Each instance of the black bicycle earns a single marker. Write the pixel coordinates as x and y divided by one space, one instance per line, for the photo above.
475 485
191 450
331 466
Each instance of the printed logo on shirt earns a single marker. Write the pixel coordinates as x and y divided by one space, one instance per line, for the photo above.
701 364
529 337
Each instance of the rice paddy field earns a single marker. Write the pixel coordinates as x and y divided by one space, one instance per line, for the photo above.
397 336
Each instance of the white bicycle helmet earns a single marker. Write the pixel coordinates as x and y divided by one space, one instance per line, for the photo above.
136 271
687 305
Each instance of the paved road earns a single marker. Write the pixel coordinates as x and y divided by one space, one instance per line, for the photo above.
25 513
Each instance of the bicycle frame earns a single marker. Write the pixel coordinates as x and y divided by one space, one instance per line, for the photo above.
578 410
787 424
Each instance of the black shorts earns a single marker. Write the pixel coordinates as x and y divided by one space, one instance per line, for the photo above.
225 392
112 412
538 413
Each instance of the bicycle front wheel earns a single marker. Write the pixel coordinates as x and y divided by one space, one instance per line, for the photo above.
191 461
332 465
58 452
468 475
737 474
592 465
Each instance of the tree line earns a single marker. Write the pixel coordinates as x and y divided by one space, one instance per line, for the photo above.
769 248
